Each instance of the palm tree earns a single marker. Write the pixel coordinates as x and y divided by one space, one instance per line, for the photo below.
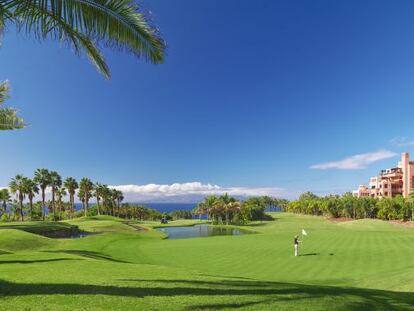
200 209
8 116
71 184
5 197
31 189
42 178
81 197
18 186
233 208
86 25
86 186
98 194
55 182
107 201
117 197
60 192
226 201
209 203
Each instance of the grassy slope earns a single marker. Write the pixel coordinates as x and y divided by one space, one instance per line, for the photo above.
36 226
353 265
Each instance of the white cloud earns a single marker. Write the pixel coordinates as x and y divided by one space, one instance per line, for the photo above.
402 142
355 162
190 192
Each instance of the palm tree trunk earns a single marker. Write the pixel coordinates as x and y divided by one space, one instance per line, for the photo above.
86 204
31 206
72 203
53 203
43 204
21 206
97 203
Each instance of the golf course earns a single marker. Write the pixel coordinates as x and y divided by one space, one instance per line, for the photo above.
352 265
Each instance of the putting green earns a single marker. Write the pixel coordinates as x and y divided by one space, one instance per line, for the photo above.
358 265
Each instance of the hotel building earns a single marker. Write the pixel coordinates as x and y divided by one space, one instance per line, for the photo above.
390 182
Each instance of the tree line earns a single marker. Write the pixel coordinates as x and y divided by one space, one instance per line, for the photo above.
108 200
225 209
396 208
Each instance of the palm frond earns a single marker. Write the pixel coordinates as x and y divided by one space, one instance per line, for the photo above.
9 119
4 91
113 23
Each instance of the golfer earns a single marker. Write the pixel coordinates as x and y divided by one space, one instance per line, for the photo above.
296 244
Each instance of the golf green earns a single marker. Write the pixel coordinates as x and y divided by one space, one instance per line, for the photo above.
355 265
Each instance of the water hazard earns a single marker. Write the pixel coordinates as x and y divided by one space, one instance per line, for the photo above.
198 231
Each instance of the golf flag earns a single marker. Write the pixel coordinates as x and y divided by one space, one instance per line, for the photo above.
304 232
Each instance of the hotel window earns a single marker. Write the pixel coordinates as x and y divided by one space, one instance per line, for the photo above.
385 193
385 186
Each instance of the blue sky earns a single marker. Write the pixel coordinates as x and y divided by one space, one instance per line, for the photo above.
252 95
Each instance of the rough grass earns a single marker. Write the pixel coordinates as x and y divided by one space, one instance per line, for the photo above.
357 265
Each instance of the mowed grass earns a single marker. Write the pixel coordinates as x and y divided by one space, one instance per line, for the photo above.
358 265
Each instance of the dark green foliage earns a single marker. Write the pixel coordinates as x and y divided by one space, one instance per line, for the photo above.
348 206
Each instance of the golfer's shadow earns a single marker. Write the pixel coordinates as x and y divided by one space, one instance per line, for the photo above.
314 254
310 254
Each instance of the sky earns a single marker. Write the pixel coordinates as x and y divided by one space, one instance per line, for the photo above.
254 97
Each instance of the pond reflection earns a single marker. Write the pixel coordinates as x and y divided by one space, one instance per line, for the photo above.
199 231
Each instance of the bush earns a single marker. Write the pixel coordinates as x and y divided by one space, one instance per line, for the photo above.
4 218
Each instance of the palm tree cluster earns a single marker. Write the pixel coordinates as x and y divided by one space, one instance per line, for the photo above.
226 209
396 208
139 212
108 200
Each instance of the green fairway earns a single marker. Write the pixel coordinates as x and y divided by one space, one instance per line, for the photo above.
358 265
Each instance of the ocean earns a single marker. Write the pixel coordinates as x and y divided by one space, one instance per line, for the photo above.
169 207
160 207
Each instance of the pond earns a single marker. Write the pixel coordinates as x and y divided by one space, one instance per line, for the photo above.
81 234
199 231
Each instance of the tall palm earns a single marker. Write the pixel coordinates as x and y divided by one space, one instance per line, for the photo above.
55 182
31 189
107 202
60 193
5 198
200 209
81 197
42 178
86 25
86 186
118 197
18 186
98 193
209 203
71 185
226 202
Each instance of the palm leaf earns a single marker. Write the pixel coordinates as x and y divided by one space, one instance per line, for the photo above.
9 119
4 91
89 24
8 116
